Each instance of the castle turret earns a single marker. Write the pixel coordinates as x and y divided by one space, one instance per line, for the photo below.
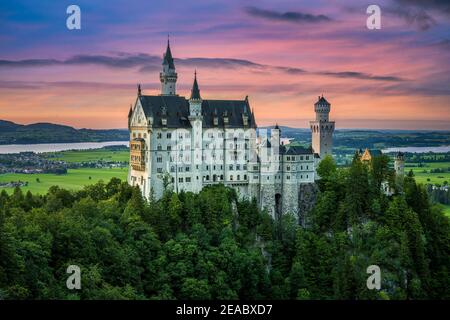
322 129
275 136
195 101
196 120
130 113
168 76
399 164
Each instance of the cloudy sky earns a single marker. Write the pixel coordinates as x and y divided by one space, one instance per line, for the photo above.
282 54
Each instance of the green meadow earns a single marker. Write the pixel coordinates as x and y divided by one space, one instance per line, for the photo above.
423 174
447 210
75 179
90 155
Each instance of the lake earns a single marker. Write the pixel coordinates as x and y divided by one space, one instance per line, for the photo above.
440 149
55 147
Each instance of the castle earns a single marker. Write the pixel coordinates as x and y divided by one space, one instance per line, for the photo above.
187 144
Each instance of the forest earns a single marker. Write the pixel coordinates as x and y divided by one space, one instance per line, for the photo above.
213 245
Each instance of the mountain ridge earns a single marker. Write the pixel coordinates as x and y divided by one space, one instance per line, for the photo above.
45 132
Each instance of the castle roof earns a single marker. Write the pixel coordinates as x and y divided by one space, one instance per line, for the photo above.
295 150
195 92
176 110
322 100
368 154
168 59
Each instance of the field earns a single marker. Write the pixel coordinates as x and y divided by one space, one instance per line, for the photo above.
91 155
428 177
447 210
75 179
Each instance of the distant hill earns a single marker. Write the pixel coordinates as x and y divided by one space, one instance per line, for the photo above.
371 138
13 133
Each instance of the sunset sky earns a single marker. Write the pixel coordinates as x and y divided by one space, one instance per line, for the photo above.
282 54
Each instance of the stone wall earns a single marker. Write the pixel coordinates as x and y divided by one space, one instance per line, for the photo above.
307 197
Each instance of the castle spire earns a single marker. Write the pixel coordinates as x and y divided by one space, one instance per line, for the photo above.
139 90
168 59
195 92
131 111
168 75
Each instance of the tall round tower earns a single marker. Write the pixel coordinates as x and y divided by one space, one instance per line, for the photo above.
399 164
168 76
322 128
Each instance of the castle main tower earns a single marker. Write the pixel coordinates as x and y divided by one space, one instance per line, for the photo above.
322 128
168 76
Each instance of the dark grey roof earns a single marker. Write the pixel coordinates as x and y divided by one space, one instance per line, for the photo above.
195 92
322 100
294 150
168 59
176 110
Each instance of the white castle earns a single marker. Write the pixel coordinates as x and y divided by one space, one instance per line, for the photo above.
187 144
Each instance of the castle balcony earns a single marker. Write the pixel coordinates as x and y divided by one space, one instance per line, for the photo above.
137 154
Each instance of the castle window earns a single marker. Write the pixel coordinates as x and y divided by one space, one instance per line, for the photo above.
169 148
180 169
231 167
159 159
245 167
288 177
307 157
188 179
173 180
288 158
238 167
245 177
231 177
159 170
301 177
134 134
158 135
238 177
301 167
169 135
307 176
307 167
188 169
159 147
301 158
180 180
288 168
207 178
172 169
221 177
